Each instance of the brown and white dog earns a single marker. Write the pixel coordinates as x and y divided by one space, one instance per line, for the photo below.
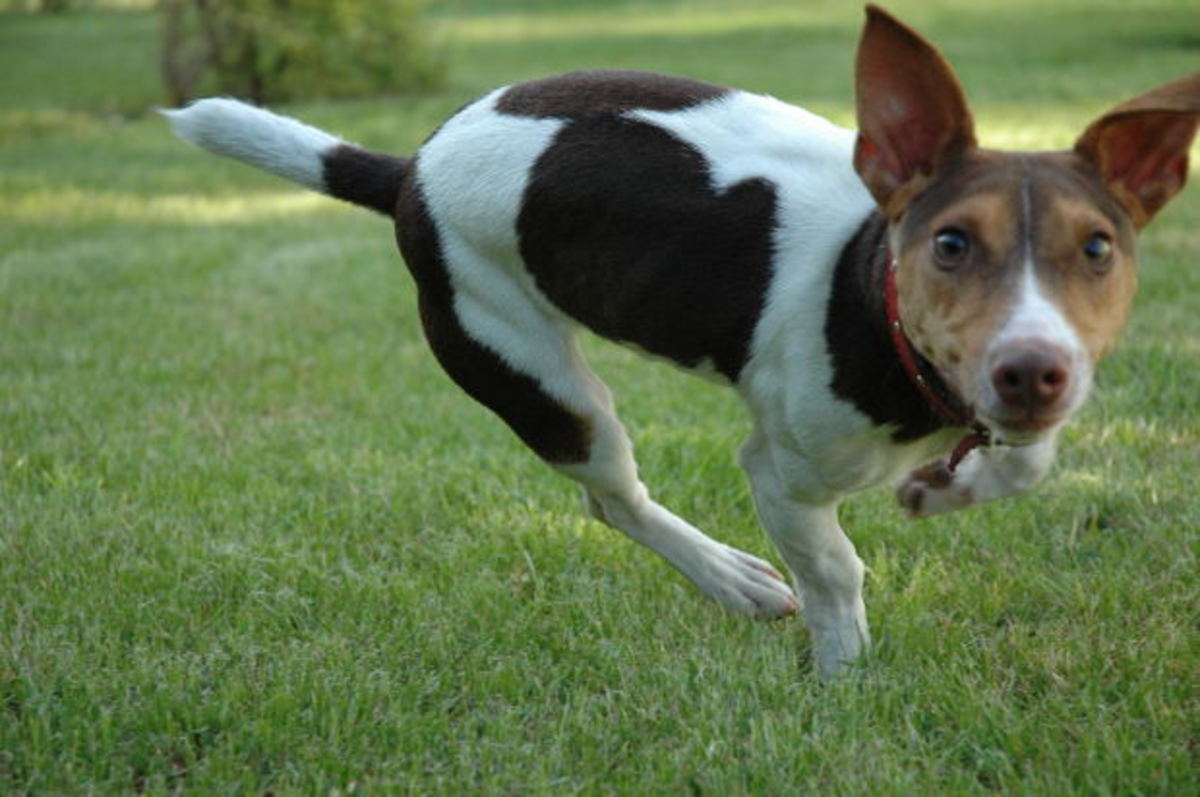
884 301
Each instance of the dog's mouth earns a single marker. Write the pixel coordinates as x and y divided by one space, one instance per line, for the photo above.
1014 427
1022 431
1026 420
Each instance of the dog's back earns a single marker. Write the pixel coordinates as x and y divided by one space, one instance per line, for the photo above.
656 211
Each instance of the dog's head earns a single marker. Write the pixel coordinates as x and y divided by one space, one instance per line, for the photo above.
1014 271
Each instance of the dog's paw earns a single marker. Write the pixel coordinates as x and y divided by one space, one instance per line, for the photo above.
746 584
932 490
839 648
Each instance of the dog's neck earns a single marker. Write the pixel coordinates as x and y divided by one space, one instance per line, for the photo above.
868 368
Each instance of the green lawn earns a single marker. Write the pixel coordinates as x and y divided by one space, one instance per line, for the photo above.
252 540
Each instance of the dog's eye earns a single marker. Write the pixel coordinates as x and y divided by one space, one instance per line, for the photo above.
1098 250
950 247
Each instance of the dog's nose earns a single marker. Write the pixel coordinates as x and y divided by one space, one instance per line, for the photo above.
1032 378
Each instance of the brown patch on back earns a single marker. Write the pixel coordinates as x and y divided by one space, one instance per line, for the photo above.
604 92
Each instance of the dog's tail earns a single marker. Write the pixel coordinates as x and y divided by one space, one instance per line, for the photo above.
292 150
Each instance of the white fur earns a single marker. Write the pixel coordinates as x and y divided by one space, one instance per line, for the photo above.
277 144
1035 319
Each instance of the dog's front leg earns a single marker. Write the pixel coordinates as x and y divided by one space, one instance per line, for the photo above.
985 475
827 571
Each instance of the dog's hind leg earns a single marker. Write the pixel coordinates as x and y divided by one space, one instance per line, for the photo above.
513 353
560 409
617 496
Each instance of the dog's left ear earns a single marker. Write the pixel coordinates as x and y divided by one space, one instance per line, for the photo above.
912 115
1141 147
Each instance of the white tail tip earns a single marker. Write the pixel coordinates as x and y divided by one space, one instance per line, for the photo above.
277 144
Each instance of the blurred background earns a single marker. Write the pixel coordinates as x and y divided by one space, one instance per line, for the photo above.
122 56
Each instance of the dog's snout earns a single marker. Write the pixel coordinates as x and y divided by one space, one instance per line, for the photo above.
1032 378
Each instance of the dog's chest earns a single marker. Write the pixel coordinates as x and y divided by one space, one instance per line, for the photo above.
700 224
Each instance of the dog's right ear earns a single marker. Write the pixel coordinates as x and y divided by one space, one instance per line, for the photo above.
1140 148
912 115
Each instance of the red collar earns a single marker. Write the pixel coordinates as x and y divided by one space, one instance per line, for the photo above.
951 415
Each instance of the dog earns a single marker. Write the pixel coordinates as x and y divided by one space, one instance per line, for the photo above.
896 305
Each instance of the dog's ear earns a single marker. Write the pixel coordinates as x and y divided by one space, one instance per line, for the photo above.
1141 147
912 115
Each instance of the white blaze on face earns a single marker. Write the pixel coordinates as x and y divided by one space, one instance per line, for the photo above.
1035 317
1036 322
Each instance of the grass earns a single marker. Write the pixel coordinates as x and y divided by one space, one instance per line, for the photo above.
252 540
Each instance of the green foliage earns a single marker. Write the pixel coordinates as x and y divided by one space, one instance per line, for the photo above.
280 50
35 6
59 6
